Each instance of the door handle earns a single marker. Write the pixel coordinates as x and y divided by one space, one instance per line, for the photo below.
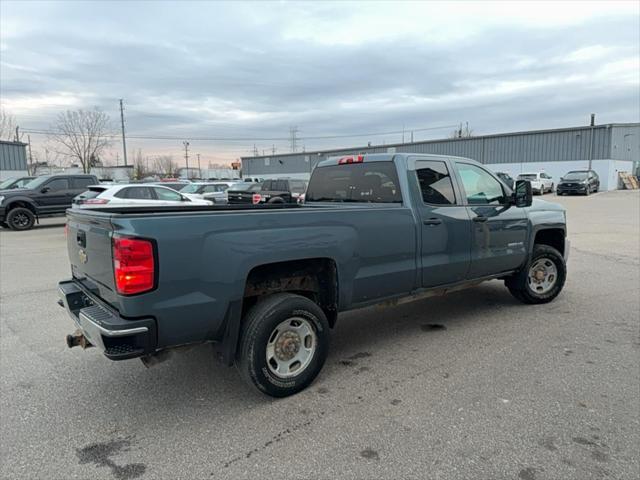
432 221
480 218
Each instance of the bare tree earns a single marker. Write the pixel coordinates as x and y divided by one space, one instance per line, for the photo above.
7 125
83 135
140 166
462 132
165 165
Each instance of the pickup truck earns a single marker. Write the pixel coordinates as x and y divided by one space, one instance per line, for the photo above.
265 283
43 196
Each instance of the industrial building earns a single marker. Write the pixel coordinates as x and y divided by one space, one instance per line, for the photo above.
13 159
610 149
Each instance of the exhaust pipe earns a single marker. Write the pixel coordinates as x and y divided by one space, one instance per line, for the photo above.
77 339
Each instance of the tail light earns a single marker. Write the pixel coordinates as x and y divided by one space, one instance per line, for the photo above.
255 198
94 201
133 265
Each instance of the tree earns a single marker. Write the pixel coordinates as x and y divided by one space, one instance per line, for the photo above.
140 169
462 132
82 135
165 165
7 126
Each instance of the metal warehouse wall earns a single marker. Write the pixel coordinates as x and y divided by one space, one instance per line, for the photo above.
625 142
523 147
13 156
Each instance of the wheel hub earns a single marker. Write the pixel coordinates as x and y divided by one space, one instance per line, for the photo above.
287 345
542 275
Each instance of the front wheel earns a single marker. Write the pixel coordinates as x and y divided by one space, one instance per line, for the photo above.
283 344
20 218
542 278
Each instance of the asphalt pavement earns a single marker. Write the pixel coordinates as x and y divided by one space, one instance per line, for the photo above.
473 385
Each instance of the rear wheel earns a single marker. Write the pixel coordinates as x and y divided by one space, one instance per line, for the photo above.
20 218
542 279
276 200
283 345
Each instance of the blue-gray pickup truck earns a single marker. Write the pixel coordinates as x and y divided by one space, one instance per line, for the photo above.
265 283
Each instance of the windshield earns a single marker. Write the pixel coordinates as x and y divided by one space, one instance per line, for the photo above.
7 182
576 176
36 182
528 176
372 182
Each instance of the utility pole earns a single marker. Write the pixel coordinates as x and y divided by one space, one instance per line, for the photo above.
199 170
17 134
593 124
30 156
186 155
293 138
124 143
273 149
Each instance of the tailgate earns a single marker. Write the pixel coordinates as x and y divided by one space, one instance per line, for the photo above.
240 197
89 247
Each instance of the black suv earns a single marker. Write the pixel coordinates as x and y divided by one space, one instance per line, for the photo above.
281 190
45 195
579 181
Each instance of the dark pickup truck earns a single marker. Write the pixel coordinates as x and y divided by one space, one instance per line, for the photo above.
265 283
42 196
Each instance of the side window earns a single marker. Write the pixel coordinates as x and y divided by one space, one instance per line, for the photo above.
479 186
435 183
167 195
82 182
58 184
137 193
267 185
210 188
281 186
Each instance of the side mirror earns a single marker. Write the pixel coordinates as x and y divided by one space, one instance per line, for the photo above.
561 178
523 196
45 190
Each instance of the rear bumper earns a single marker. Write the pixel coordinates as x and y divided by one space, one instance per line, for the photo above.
104 328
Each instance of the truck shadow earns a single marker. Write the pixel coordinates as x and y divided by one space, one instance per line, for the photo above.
193 382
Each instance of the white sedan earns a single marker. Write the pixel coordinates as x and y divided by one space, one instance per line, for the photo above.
133 195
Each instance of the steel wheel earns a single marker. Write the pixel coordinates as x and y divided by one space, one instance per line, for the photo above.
542 275
291 347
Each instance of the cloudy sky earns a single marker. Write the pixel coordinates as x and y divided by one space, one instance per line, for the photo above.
251 70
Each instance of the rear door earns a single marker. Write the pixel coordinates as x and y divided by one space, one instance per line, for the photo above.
445 226
499 229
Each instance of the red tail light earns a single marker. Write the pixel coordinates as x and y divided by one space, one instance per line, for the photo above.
133 265
95 201
255 199
351 159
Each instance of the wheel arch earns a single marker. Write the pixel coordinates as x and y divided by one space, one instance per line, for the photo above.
552 237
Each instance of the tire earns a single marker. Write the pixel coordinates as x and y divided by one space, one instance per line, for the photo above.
276 200
262 330
20 218
521 286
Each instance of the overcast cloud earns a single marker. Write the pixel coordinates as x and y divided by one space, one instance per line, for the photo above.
253 69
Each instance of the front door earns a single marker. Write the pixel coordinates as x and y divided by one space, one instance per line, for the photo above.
499 229
55 196
444 225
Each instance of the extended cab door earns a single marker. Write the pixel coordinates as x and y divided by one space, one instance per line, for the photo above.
445 227
499 229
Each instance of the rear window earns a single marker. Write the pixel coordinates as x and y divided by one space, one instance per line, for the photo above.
82 182
527 176
254 187
373 182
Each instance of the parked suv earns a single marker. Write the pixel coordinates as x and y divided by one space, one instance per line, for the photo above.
540 181
282 190
45 195
579 181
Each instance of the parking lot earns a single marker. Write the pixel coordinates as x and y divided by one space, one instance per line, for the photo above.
471 385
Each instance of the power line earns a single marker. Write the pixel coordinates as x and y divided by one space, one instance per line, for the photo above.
246 139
